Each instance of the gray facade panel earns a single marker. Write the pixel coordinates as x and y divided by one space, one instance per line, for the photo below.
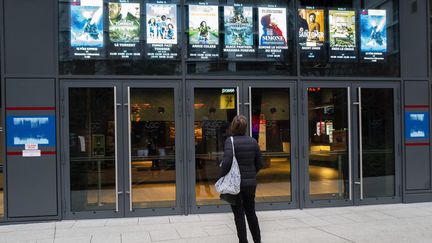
417 168
413 22
30 92
30 37
416 92
32 186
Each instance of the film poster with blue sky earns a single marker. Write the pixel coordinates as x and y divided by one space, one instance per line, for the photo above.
373 35
239 36
124 25
86 28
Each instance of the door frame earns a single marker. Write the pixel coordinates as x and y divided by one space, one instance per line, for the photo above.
180 179
191 170
304 144
397 198
66 85
243 108
353 142
294 160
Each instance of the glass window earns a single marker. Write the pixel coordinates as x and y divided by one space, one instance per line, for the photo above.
240 37
119 37
344 38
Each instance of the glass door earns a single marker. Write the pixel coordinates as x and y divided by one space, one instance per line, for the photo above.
92 170
352 143
152 143
271 112
211 108
377 112
327 144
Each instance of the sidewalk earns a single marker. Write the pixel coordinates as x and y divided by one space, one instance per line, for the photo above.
378 223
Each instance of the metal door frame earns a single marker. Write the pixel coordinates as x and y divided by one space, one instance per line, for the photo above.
191 171
304 144
243 105
180 179
397 198
291 85
66 85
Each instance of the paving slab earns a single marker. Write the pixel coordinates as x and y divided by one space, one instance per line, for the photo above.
375 223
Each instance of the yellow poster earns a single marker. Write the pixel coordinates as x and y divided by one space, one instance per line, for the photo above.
227 101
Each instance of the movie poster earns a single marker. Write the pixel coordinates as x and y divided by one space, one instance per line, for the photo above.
203 31
373 35
272 31
87 38
124 29
311 33
238 24
161 31
342 35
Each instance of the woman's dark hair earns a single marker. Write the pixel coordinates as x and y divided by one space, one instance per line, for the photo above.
238 125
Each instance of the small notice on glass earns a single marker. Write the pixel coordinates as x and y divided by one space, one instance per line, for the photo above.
31 153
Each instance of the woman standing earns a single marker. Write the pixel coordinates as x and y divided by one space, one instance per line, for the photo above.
248 156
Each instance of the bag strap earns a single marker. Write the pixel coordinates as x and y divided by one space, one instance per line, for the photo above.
232 142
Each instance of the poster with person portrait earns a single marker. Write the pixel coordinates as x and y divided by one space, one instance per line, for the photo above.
311 33
203 31
86 29
272 31
342 35
238 24
124 19
373 35
161 31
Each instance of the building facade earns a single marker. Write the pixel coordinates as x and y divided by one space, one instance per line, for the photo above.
121 108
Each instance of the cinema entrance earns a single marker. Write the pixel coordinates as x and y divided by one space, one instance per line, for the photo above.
122 148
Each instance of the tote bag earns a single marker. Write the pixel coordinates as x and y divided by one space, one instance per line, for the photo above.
230 183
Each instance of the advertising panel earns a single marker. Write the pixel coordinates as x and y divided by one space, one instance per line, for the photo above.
342 35
124 29
238 24
86 28
373 35
272 31
311 32
203 31
161 31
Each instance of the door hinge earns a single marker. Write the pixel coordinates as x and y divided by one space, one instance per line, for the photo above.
304 195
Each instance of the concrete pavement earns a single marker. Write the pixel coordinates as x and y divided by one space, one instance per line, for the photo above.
377 223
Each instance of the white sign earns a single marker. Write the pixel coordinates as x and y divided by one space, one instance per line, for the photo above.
31 153
31 146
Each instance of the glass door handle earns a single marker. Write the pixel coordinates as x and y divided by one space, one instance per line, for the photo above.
360 138
249 103
119 193
357 183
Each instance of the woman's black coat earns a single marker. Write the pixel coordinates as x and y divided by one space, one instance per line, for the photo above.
248 157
